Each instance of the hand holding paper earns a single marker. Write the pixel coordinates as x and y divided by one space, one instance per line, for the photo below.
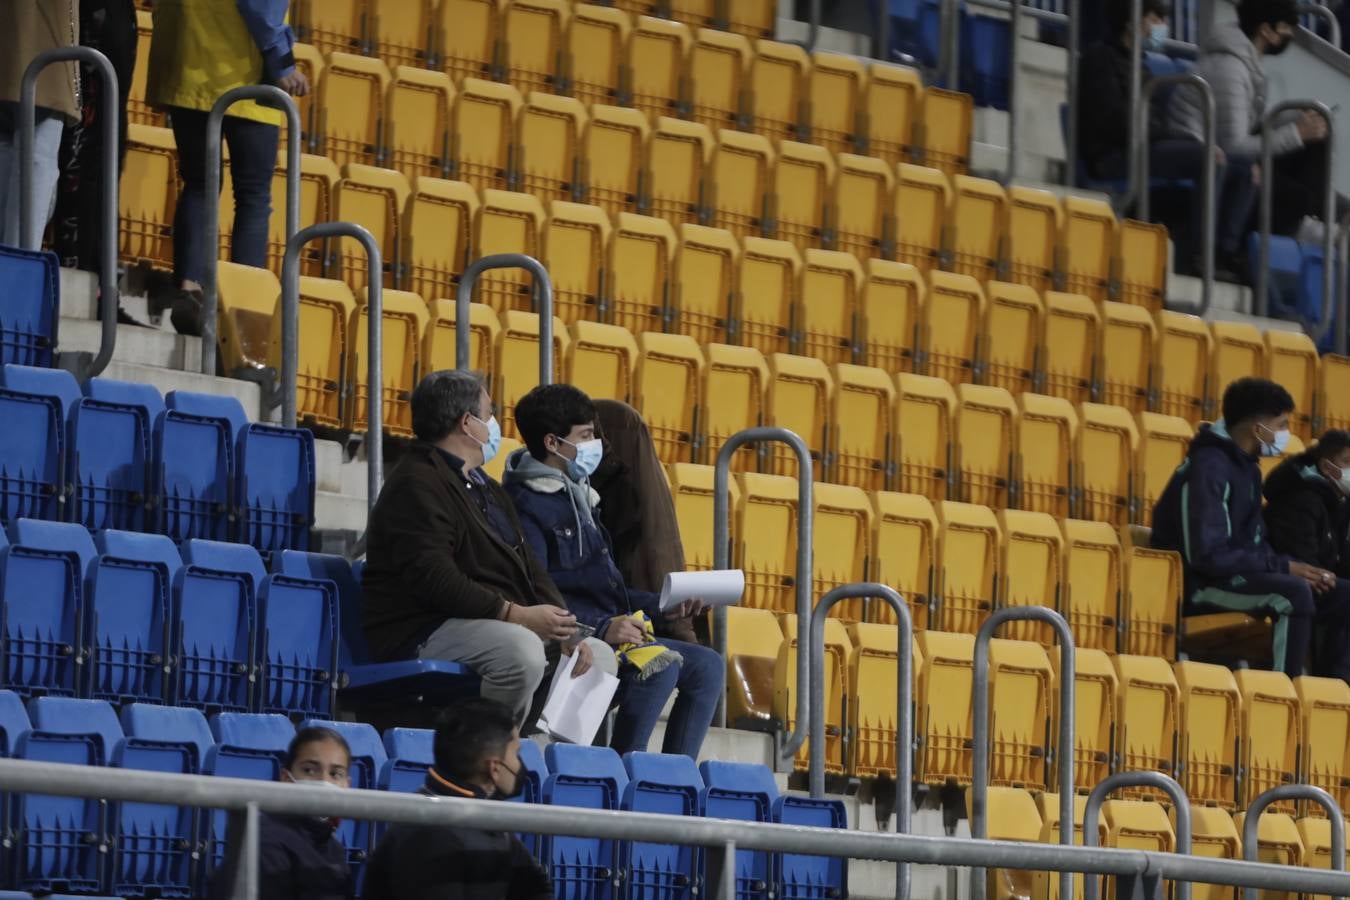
577 704
721 587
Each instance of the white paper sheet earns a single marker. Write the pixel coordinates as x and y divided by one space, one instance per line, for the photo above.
577 706
720 587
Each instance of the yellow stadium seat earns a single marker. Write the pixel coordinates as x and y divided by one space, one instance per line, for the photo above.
836 92
752 18
1047 432
694 13
691 487
438 227
1107 441
754 639
375 198
613 153
1030 564
889 316
1324 734
1316 836
351 110
1146 716
983 448
404 322
765 537
799 397
872 698
864 405
946 130
1163 441
828 305
248 300
1033 234
595 42
802 180
843 526
1135 825
1151 602
1291 361
326 308
1087 241
679 155
508 223
138 111
309 61
706 263
739 176
658 51
532 43
1238 352
779 77
921 199
641 254
838 649
1128 338
1141 264
318 178
951 330
516 361
1046 884
943 707
1182 357
601 360
1070 346
718 75
1213 836
417 133
891 104
1269 735
333 24
1090 597
1278 842
466 37
968 548
1333 391
1210 704
669 382
1096 697
1011 815
482 131
402 31
766 294
576 252
1020 686
859 205
438 348
548 145
925 410
148 196
1012 335
904 552
226 208
739 378
978 210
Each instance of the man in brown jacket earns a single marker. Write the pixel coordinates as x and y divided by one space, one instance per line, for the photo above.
448 573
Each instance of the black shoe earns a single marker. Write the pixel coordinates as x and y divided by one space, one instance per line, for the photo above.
186 313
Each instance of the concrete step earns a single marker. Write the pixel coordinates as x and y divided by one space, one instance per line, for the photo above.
143 346
173 380
340 511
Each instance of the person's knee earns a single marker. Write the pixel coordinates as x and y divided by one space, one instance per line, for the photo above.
703 668
602 656
520 658
1300 596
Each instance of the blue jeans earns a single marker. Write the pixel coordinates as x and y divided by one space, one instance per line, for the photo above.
253 157
46 144
699 680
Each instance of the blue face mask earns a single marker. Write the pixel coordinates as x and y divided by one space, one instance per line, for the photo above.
1156 37
589 454
494 438
1277 444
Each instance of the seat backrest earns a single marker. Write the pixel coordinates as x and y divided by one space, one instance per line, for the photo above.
43 573
799 873
57 383
1269 733
661 783
148 723
1208 732
129 607
215 618
410 754
327 567
213 406
276 486
68 716
297 646
13 721
1147 715
744 792
32 298
590 777
196 465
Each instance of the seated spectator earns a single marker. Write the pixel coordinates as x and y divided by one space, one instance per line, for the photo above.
1307 515
549 483
1210 512
299 857
449 574
477 754
1104 131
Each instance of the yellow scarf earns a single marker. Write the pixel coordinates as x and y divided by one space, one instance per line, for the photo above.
648 657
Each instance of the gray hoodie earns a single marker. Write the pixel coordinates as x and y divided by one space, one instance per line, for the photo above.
1228 61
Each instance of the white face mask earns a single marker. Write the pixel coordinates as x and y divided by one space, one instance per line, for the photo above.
1342 480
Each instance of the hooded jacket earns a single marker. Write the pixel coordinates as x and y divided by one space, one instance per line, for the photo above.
1210 512
299 858
1228 61
1307 515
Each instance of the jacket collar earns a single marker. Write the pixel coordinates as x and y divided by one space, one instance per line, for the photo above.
437 785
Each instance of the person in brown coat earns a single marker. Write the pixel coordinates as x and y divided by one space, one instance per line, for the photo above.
31 27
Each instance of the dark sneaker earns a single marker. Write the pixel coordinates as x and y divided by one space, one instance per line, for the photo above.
186 313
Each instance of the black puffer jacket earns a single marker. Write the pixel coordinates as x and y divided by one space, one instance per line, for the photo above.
298 859
1307 516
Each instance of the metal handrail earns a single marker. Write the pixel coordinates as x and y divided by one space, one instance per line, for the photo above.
543 305
904 704
1071 95
1136 95
1014 62
215 122
805 535
290 338
1156 780
108 223
949 31
1268 124
979 790
1208 187
1251 826
1333 24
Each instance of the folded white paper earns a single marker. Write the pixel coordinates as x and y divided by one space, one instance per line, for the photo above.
720 587
577 706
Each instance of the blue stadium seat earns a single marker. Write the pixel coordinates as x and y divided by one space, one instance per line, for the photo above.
30 306
1308 303
34 405
128 615
13 723
368 761
987 59
1285 285
274 491
67 716
213 630
194 469
744 792
177 726
42 577
297 646
592 778
534 770
362 678
247 746
662 783
802 877
410 754
111 454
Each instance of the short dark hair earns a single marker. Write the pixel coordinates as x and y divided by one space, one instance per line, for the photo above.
1118 14
441 399
1248 398
1334 441
551 409
1252 14
468 732
315 734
